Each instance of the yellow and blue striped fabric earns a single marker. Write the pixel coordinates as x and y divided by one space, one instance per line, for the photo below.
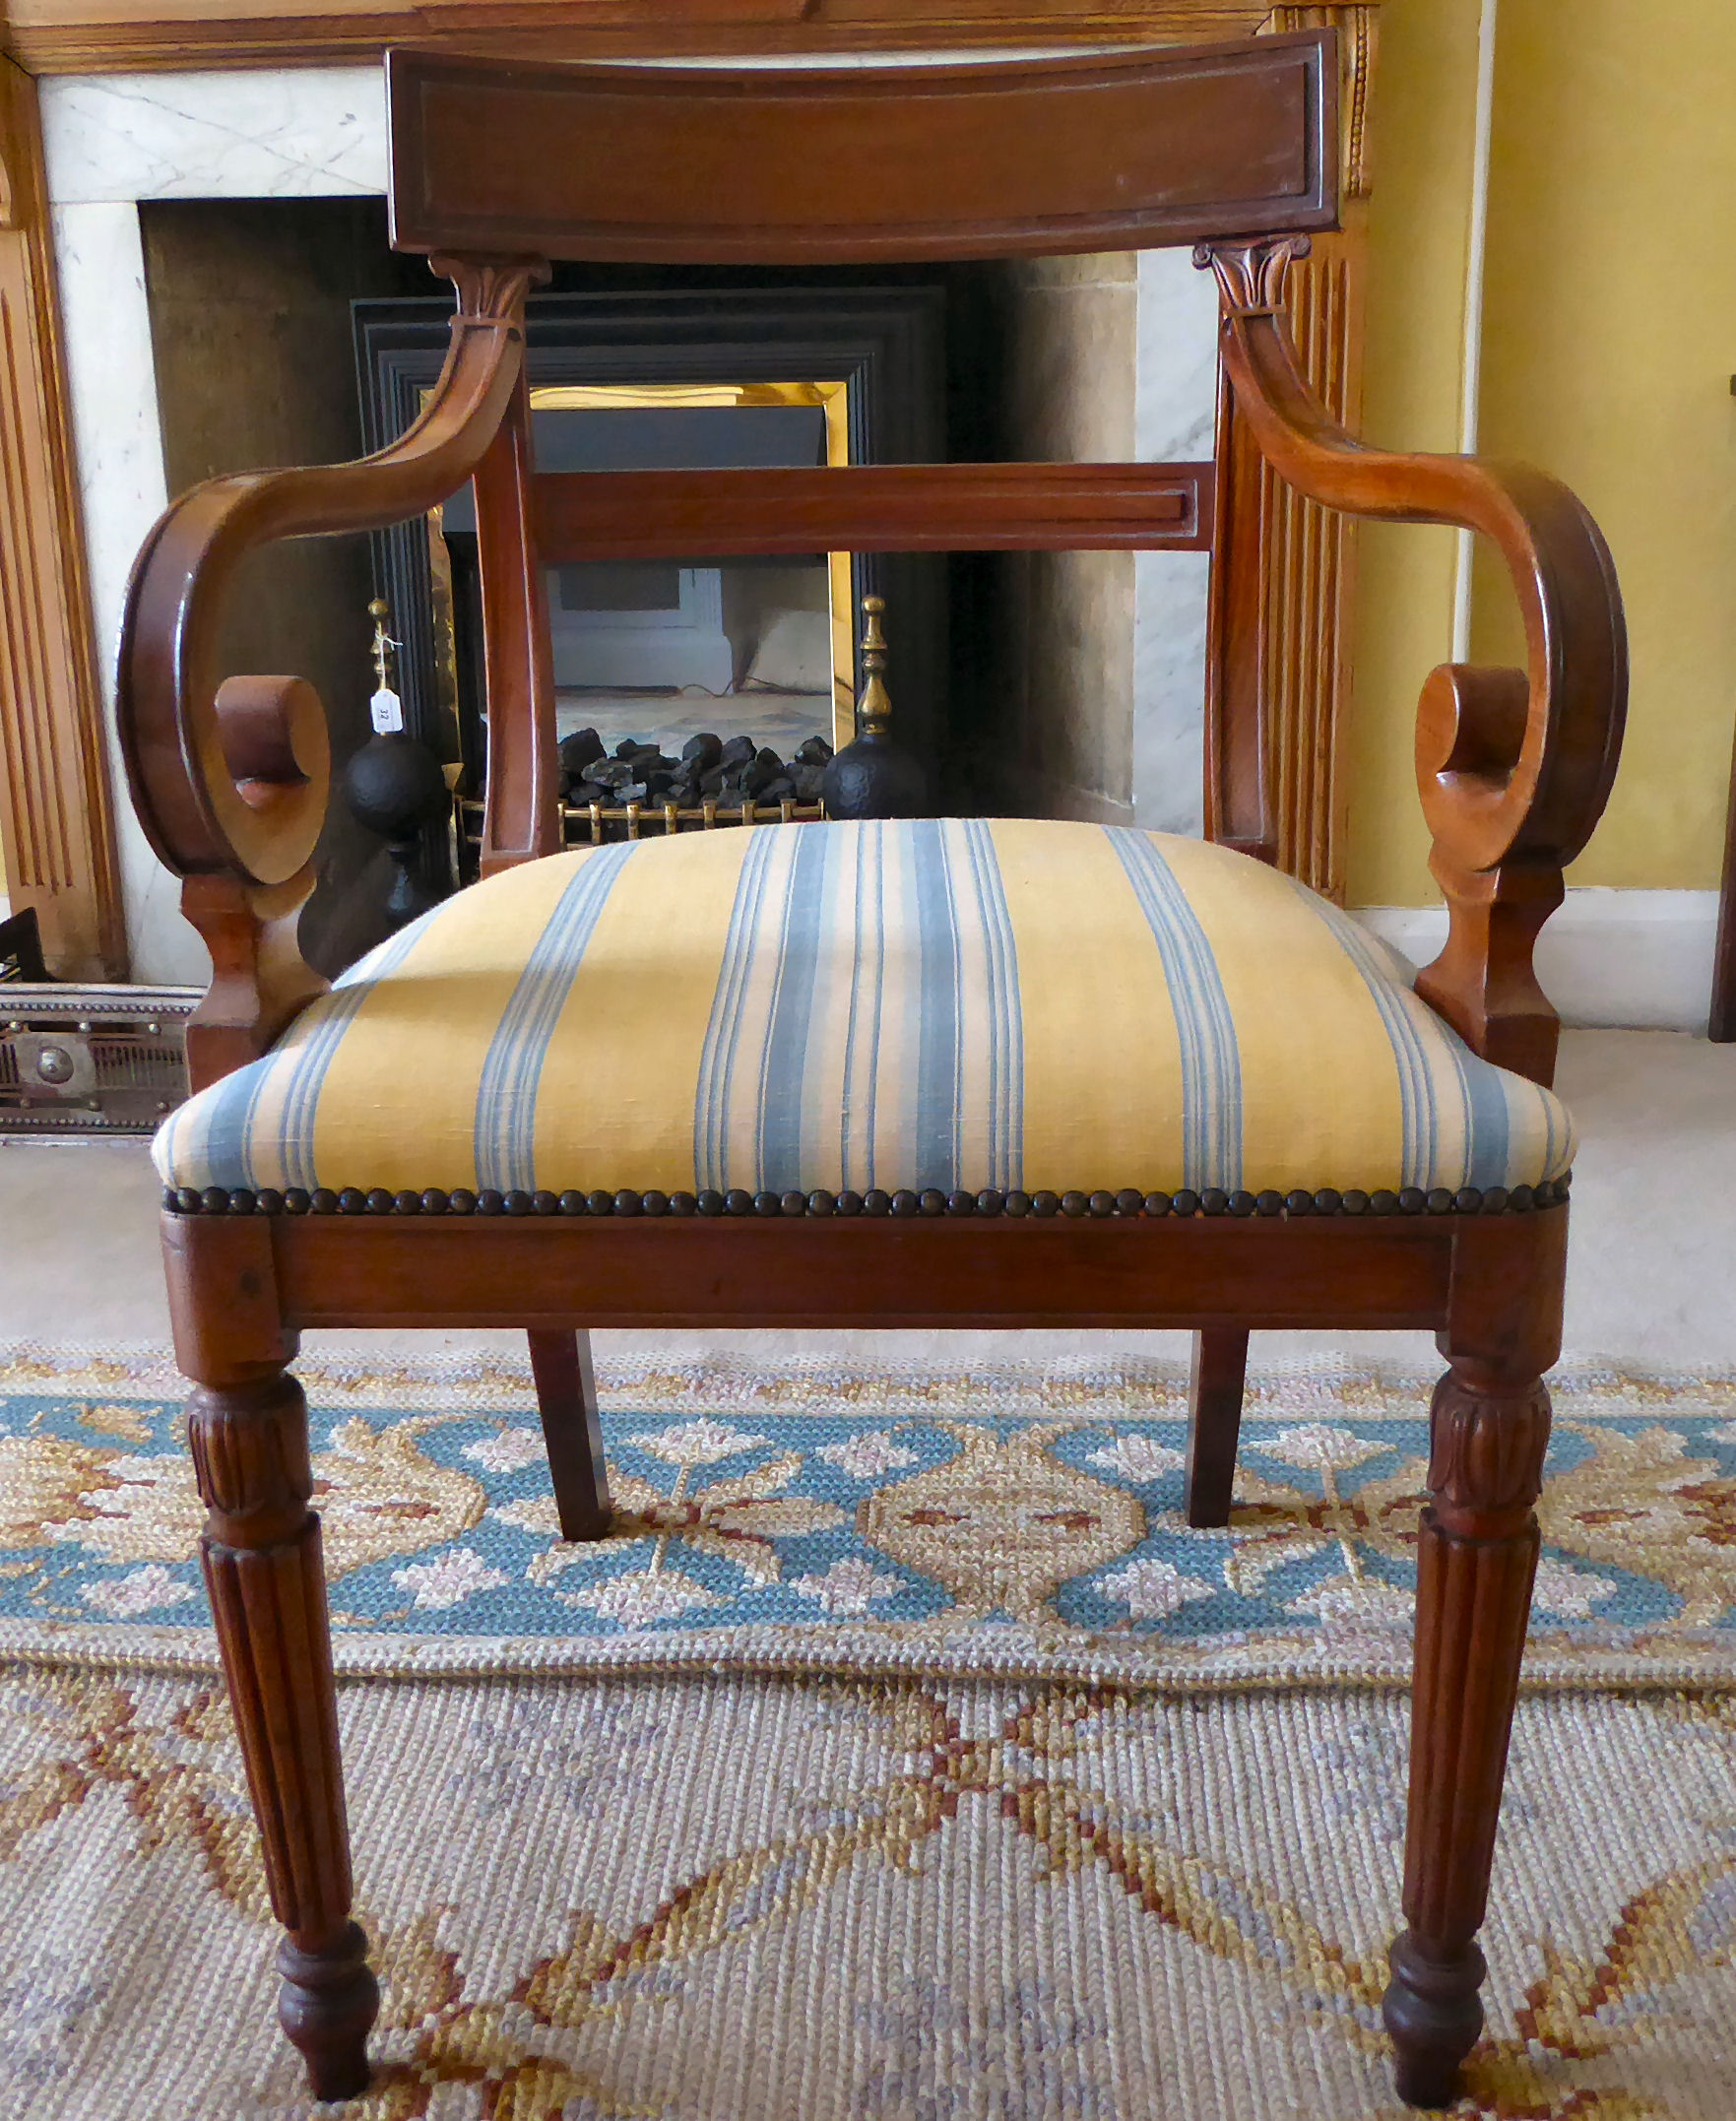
947 1002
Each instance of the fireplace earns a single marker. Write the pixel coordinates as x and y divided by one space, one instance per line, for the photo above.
1061 684
678 683
688 371
734 627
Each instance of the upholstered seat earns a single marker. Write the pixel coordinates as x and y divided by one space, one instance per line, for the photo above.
955 1004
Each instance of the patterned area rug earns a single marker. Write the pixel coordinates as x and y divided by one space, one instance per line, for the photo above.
755 1897
1022 1522
902 1756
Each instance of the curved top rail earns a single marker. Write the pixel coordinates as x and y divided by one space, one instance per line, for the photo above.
727 166
185 756
1511 767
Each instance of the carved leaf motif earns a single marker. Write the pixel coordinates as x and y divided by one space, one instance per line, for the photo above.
250 1447
492 290
1487 1445
1252 274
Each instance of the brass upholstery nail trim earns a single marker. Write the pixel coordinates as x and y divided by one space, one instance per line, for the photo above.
1128 1205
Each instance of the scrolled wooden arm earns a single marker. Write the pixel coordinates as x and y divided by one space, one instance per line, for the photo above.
1514 766
230 782
172 735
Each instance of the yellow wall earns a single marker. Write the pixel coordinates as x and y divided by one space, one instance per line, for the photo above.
1422 130
1609 340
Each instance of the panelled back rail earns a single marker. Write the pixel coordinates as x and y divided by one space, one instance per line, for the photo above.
874 508
498 167
1132 152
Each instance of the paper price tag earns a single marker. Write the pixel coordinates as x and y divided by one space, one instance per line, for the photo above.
387 710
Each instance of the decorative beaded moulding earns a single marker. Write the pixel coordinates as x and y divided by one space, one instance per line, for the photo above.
357 1200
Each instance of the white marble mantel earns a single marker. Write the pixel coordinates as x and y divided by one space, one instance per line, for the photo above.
265 135
1174 415
112 141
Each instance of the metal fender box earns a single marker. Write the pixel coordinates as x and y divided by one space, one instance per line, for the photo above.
91 1060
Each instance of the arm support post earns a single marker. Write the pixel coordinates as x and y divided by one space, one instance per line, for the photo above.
1514 766
230 781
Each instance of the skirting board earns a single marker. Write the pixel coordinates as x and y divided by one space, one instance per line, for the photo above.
1608 957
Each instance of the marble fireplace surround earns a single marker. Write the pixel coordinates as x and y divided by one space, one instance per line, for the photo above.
112 141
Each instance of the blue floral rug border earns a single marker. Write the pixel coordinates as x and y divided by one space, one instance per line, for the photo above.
1020 1520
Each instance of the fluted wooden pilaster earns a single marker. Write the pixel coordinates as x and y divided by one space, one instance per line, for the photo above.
1284 568
57 850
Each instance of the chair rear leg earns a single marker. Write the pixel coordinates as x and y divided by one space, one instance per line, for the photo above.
1214 1422
567 1399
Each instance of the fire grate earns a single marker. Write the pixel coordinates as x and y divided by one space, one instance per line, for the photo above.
91 1060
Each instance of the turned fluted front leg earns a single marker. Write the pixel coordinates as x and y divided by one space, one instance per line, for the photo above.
1477 1560
247 1424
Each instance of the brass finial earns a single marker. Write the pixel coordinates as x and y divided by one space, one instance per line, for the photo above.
379 610
874 710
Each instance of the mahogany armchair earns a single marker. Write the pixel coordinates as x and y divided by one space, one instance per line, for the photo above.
1263 1128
